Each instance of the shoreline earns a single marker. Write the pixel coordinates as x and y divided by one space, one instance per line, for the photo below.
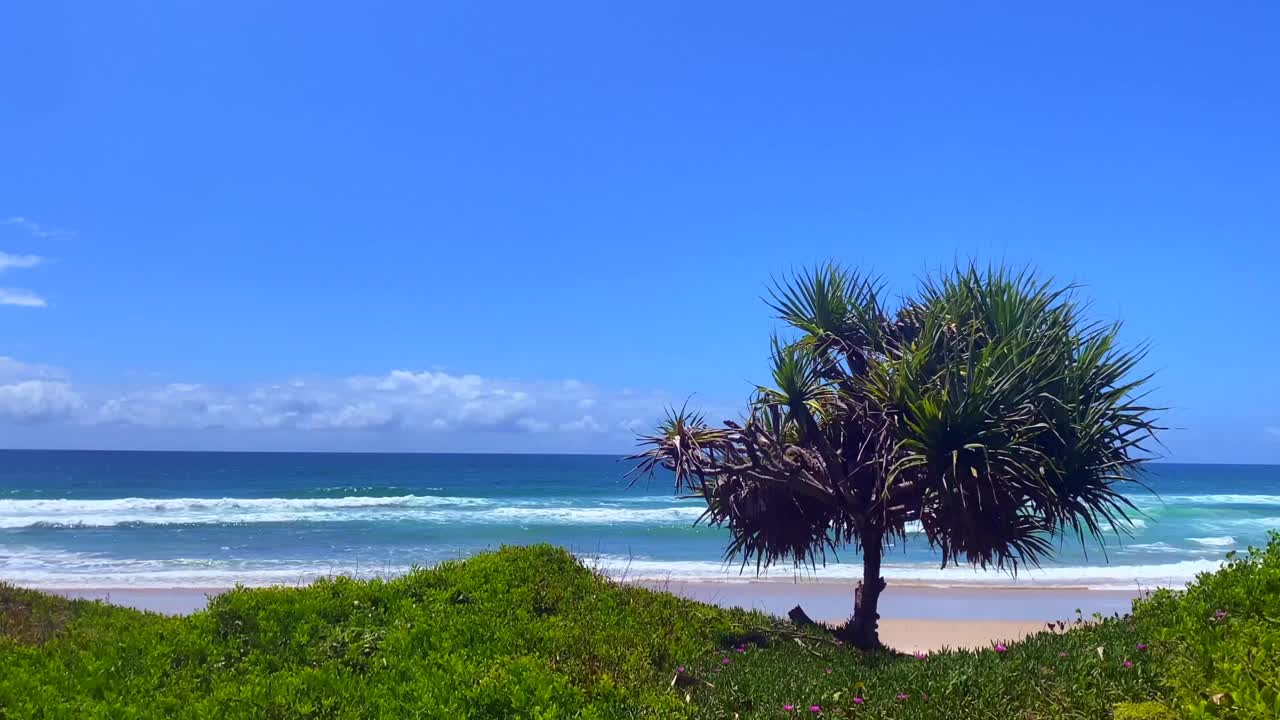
912 618
655 582
833 602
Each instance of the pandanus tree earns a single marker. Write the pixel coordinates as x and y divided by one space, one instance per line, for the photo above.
985 415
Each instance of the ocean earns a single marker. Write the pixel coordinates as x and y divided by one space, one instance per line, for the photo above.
89 519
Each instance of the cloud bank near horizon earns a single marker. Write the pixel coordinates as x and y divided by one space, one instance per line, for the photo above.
42 406
428 410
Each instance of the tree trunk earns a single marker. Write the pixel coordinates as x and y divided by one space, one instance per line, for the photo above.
863 628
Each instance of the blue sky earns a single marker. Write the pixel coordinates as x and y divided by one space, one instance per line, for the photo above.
527 227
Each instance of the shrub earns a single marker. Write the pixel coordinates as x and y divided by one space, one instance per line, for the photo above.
530 633
521 633
1221 637
1143 711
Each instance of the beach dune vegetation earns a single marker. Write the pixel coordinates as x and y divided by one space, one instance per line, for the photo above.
531 633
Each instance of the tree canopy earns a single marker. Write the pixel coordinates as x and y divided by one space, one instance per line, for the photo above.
985 410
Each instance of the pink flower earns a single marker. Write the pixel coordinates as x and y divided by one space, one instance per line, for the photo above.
920 655
1001 648
1142 646
725 661
789 708
815 708
903 696
828 671
680 669
1220 614
1127 664
857 701
742 648
1062 654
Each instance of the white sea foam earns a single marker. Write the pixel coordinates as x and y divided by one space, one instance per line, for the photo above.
1135 523
1210 499
36 567
204 511
598 515
1223 541
1159 547
177 505
1247 524
1122 577
421 508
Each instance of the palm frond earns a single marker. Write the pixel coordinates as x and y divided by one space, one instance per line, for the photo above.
987 408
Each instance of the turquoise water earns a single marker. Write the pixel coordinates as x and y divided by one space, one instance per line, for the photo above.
116 519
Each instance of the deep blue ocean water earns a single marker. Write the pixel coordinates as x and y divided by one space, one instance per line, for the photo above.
184 519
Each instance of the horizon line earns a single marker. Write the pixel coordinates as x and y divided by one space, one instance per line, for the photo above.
465 452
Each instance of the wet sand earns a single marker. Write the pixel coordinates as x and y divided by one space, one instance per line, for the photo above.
834 600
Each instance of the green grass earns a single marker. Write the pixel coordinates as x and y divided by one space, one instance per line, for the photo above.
530 633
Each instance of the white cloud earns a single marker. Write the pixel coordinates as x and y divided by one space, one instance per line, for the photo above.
181 405
12 370
404 400
585 423
425 383
10 261
21 298
363 415
401 408
38 400
35 229
533 425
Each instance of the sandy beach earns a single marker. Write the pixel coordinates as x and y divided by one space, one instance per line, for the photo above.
912 617
918 617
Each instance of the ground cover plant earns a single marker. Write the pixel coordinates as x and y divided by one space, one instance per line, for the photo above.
1220 639
531 633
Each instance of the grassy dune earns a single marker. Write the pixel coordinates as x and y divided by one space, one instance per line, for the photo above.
530 633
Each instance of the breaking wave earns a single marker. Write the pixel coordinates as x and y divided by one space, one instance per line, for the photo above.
421 508
44 568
